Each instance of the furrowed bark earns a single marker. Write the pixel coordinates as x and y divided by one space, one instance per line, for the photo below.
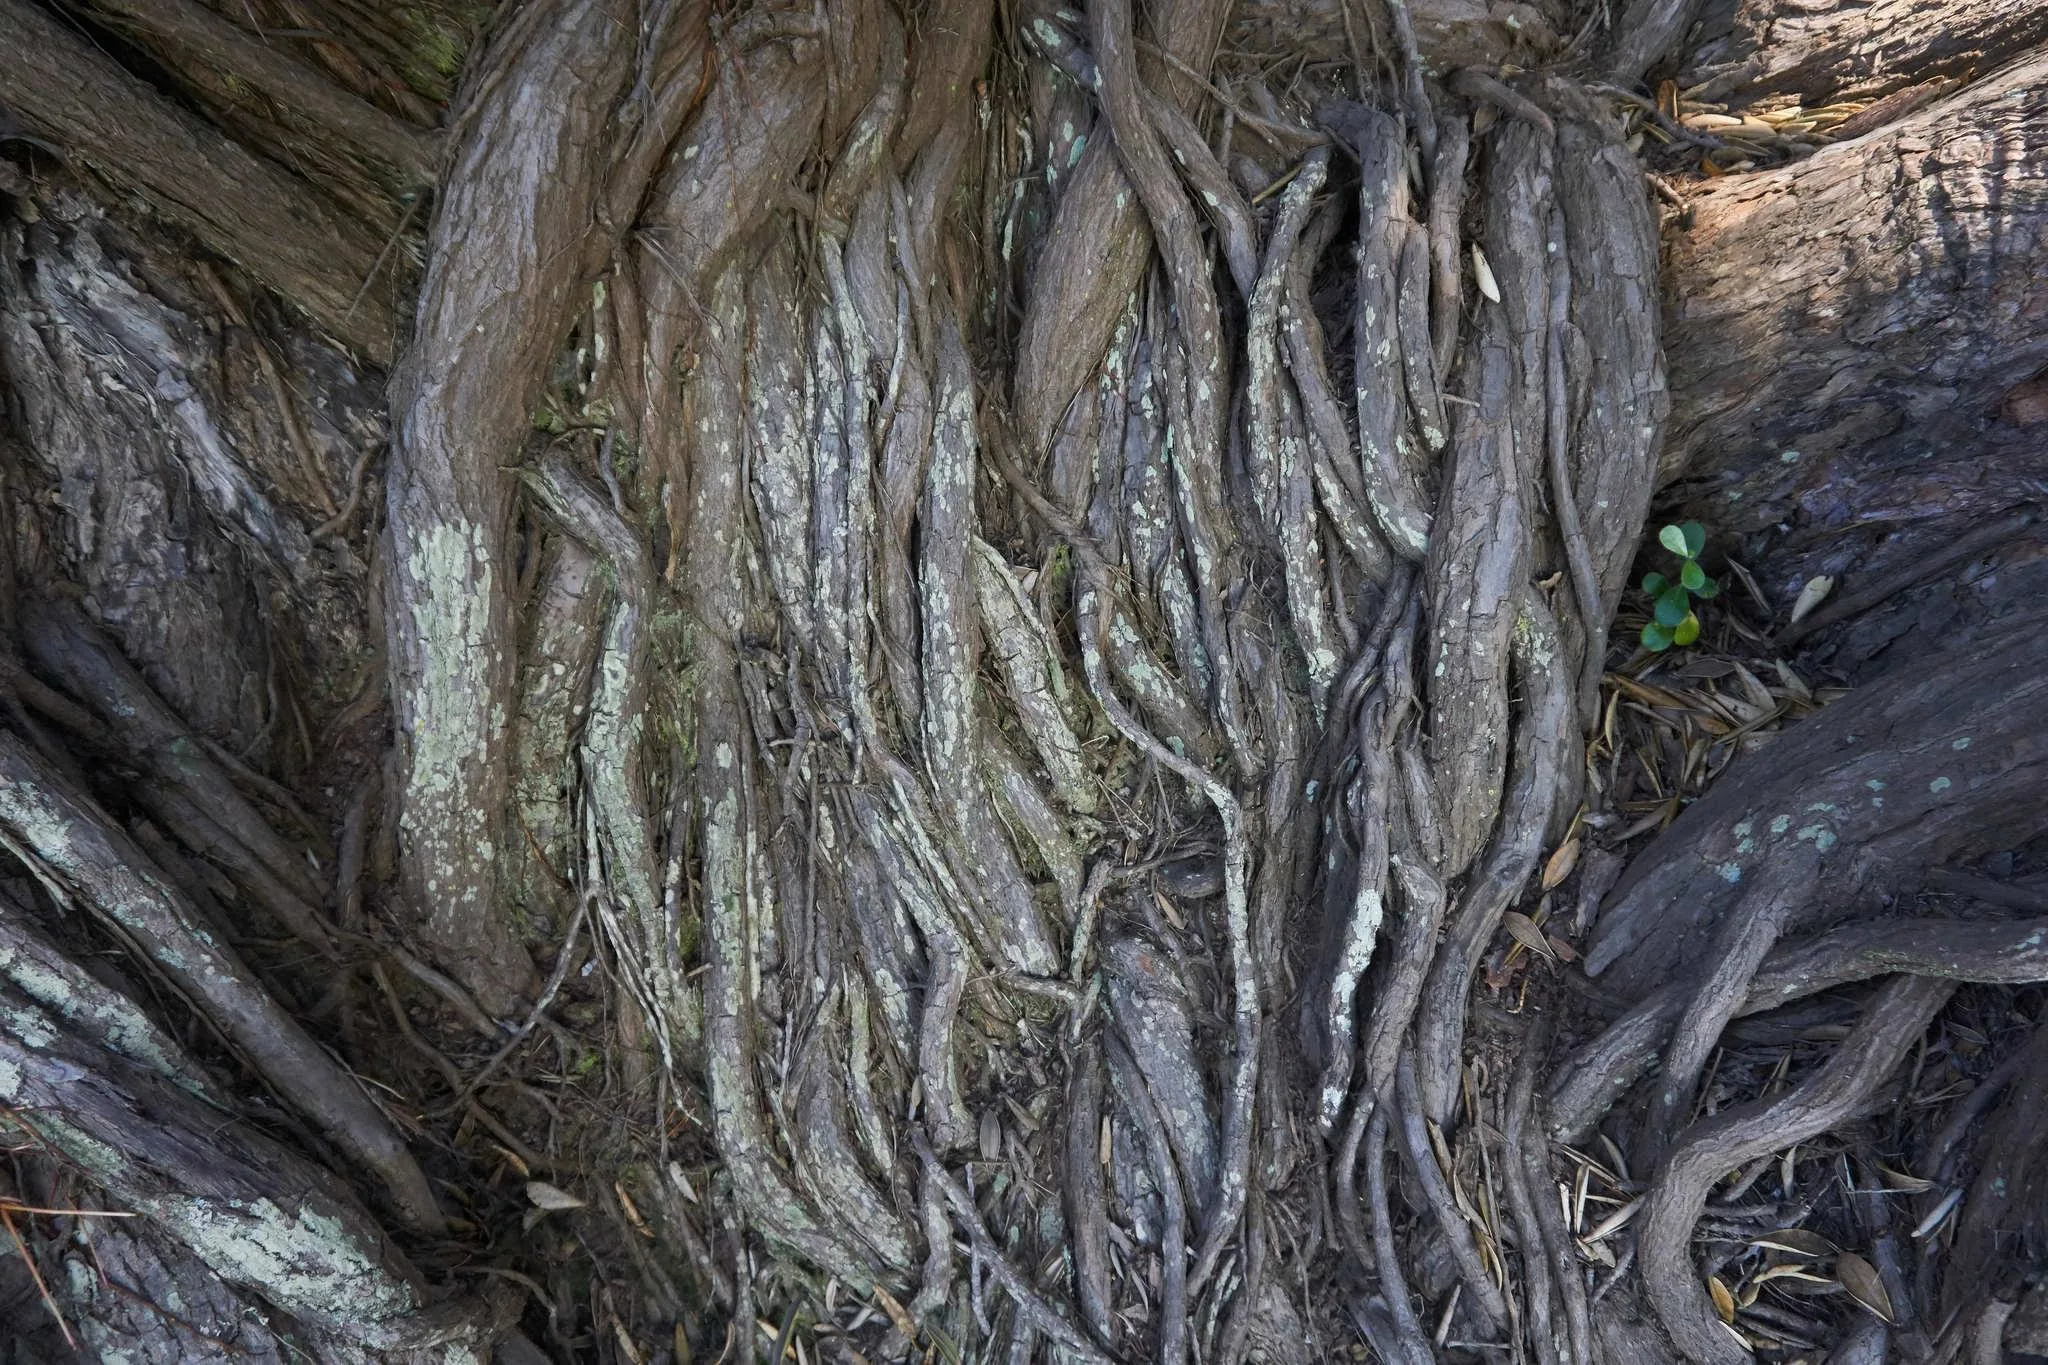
198 31
1613 349
1076 298
258 1215
70 843
1853 336
1832 50
1478 566
234 203
1028 686
1942 763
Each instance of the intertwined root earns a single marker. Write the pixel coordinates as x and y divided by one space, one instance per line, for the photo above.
1201 593
1023 708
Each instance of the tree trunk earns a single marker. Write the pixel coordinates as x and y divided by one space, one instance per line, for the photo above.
1818 53
1857 339
933 559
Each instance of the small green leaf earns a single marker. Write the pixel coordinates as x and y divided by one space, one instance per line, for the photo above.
1692 575
1672 538
1656 637
1672 606
1695 539
1654 583
1686 631
1708 588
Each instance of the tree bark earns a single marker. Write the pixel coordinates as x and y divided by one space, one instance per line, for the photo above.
848 546
235 204
1819 52
1855 338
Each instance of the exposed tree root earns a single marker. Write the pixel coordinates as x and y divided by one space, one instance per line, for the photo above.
1896 1016
1043 727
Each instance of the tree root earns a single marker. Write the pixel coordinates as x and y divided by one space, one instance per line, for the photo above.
1034 1309
240 1201
871 749
1896 1016
1587 1083
79 854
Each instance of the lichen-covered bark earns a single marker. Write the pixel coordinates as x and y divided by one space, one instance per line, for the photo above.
72 846
1933 763
219 1186
563 618
174 497
956 643
515 219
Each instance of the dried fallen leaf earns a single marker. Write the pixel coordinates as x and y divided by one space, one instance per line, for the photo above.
1483 272
1702 122
1861 1279
513 1160
1441 1148
1812 595
546 1196
1524 931
632 1210
1903 1183
1753 688
1926 1226
1561 862
1563 951
1793 682
1724 1302
990 1135
898 1317
1796 1241
1614 1222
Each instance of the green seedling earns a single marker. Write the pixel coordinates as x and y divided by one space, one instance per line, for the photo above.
1672 618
